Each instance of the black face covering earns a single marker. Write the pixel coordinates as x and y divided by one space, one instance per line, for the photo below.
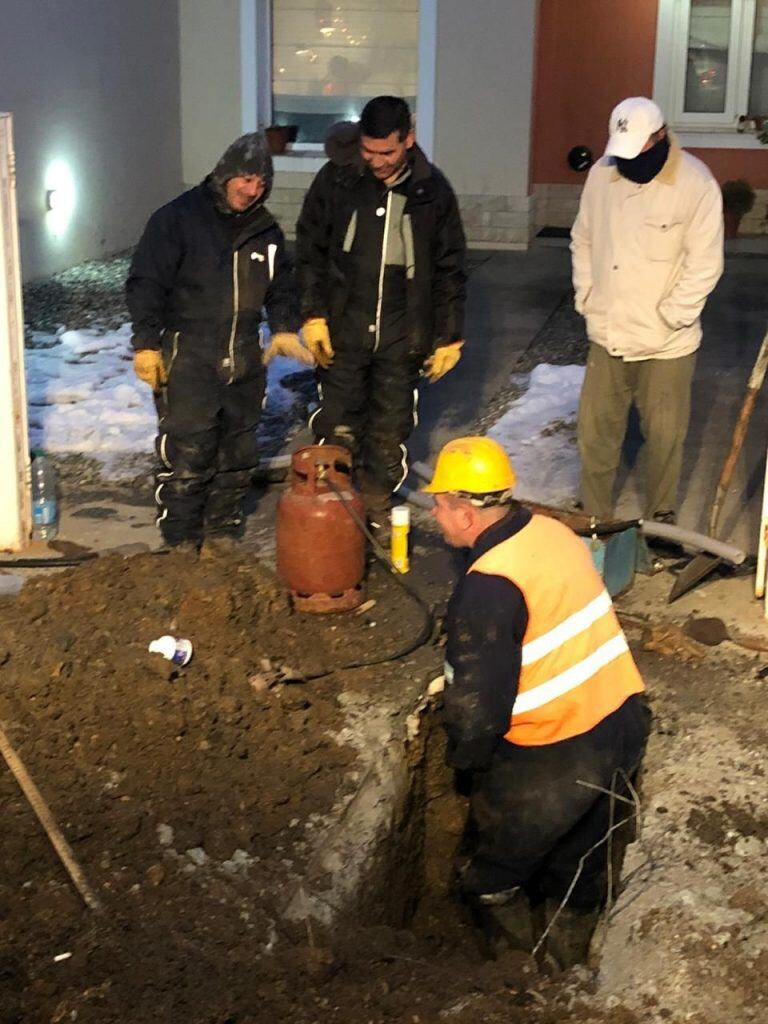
645 166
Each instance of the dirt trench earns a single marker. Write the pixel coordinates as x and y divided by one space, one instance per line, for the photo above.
268 849
264 848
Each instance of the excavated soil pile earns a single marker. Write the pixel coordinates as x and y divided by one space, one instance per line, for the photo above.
193 799
189 795
196 801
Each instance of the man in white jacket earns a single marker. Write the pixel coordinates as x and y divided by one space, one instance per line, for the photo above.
647 250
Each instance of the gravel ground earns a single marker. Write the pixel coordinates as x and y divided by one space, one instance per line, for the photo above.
562 341
91 294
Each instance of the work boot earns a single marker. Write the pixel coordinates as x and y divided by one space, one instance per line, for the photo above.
571 933
378 508
218 547
188 549
504 918
669 517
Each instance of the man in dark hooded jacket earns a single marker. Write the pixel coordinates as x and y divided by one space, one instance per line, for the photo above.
205 266
380 265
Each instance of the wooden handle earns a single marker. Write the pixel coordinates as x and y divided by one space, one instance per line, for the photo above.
46 819
756 379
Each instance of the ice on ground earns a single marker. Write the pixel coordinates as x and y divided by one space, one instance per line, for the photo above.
83 396
539 432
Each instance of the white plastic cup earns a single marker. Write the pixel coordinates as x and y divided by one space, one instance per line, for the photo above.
175 649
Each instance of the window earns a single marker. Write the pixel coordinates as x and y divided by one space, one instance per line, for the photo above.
329 57
712 62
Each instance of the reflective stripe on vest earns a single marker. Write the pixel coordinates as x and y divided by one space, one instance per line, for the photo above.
576 666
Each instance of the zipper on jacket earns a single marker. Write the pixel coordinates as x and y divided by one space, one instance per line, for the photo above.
408 247
174 352
235 304
380 298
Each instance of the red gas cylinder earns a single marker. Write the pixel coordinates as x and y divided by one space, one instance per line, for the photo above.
320 547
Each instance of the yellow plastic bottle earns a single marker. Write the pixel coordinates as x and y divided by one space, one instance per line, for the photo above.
401 524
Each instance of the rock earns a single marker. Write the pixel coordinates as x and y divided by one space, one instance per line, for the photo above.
164 835
155 874
749 846
198 856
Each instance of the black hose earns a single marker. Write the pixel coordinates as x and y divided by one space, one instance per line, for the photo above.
48 562
426 612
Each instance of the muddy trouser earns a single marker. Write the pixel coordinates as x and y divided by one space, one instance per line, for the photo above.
532 821
368 404
206 449
661 391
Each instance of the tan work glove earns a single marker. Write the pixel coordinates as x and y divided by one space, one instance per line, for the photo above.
318 341
442 360
149 366
284 343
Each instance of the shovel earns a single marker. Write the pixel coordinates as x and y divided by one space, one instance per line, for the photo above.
702 565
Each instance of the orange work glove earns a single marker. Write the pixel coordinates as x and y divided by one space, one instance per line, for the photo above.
285 343
442 360
318 341
149 366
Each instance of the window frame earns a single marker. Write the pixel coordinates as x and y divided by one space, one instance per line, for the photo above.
671 62
256 74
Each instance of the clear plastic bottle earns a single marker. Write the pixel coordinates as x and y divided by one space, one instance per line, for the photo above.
45 507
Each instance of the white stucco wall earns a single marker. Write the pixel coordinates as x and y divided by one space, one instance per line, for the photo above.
211 92
483 98
93 86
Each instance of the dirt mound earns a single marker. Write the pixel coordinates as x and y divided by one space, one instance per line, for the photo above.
190 796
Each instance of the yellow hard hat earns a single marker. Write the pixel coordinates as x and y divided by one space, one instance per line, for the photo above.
473 465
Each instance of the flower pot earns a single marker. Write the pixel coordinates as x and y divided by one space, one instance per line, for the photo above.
732 221
278 136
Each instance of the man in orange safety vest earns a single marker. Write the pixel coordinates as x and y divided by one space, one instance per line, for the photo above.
543 706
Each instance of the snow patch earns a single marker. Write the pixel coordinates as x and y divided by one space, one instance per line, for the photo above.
84 398
538 431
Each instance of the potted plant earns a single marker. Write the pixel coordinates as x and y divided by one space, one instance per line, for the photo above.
738 199
278 137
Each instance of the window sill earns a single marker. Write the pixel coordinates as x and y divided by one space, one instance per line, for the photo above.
717 140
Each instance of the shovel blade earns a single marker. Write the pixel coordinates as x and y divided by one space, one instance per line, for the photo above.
697 569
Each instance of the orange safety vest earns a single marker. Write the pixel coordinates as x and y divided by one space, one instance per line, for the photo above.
576 665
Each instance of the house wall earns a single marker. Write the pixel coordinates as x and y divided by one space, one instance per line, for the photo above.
483 94
590 55
93 86
483 104
211 100
586 61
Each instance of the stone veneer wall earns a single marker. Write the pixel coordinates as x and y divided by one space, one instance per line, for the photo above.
556 207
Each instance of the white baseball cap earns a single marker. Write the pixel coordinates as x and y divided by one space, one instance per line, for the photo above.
630 124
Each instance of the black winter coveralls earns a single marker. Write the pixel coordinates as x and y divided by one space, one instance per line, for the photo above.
197 285
385 267
531 819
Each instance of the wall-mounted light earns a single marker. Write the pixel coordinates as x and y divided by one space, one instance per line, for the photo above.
60 196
